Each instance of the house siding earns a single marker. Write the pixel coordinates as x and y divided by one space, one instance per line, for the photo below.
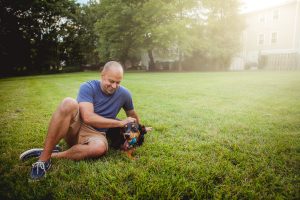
284 53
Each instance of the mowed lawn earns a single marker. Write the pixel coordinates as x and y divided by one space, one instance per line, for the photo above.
223 135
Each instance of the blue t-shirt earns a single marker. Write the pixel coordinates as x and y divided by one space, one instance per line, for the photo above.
107 106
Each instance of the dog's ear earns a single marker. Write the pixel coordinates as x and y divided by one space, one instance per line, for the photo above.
141 140
142 129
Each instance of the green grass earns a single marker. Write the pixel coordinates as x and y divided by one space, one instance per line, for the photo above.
232 135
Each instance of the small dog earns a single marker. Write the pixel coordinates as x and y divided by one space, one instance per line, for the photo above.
127 138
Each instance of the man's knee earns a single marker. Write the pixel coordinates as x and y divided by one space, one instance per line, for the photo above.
68 106
97 149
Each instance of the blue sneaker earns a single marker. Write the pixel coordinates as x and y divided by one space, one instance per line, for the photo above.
39 169
35 153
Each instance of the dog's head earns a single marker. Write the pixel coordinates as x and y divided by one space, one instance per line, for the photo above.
133 135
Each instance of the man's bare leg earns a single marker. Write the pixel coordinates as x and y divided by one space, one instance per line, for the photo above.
93 149
59 126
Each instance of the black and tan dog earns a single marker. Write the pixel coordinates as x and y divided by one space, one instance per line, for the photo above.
127 138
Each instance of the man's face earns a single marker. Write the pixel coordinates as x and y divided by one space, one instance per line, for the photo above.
111 80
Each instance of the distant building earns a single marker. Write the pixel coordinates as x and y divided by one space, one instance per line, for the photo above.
164 60
271 39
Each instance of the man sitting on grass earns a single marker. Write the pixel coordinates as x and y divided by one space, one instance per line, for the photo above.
84 123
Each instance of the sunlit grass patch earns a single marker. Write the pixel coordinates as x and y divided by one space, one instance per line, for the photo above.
216 135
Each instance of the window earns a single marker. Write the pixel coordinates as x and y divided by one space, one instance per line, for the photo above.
274 38
275 15
262 19
261 39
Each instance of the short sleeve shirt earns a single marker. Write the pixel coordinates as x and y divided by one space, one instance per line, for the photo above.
107 106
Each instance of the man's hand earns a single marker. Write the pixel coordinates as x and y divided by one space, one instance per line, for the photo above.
127 120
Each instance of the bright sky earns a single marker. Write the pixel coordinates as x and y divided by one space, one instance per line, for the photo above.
248 4
82 1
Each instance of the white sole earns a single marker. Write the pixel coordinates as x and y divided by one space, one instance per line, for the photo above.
29 151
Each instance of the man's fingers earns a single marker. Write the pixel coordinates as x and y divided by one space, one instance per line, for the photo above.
131 119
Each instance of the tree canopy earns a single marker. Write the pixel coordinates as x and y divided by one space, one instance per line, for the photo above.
42 35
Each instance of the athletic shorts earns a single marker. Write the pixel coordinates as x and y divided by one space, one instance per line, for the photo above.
80 133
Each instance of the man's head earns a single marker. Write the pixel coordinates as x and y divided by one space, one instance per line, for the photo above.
111 77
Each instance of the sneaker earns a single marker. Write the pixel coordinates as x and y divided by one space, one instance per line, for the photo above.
39 169
35 153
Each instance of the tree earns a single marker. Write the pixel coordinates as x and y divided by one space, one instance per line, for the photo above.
154 18
183 28
47 33
32 32
128 27
86 38
117 30
222 31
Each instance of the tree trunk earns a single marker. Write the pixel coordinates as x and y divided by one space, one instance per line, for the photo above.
180 61
151 62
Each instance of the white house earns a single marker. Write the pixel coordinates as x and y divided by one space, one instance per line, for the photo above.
271 38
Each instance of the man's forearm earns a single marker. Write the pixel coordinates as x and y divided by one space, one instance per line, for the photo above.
97 121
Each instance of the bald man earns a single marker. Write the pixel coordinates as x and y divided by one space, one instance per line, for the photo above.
83 123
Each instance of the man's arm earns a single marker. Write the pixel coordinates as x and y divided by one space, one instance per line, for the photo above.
90 118
133 114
